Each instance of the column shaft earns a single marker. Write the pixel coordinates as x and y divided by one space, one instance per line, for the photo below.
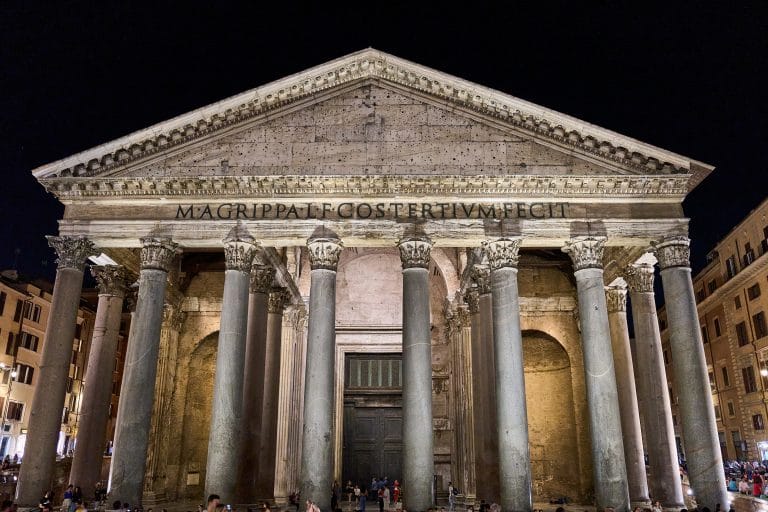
625 384
253 383
609 469
511 411
94 411
269 411
224 441
418 442
36 474
134 414
317 444
705 467
664 483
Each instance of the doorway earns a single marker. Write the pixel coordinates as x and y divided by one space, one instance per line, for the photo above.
373 418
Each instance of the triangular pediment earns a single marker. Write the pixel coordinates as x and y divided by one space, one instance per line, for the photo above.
372 113
371 129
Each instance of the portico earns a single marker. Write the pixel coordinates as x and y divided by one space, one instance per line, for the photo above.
376 198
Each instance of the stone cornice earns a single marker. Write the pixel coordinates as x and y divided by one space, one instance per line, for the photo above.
646 186
542 123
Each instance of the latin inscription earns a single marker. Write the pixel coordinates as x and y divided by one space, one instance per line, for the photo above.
386 211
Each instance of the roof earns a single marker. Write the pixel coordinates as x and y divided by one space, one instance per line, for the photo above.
367 64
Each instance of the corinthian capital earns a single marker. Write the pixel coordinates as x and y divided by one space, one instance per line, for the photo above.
72 251
585 252
639 277
481 275
110 278
239 249
415 251
324 253
502 252
472 298
673 251
261 278
616 298
278 297
157 253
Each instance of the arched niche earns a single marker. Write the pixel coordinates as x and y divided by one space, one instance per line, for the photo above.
197 415
551 417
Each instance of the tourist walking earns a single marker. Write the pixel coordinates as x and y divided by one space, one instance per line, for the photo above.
451 496
757 485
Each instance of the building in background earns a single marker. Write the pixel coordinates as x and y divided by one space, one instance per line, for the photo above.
24 309
732 301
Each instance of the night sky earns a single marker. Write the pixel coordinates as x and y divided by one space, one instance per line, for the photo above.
686 78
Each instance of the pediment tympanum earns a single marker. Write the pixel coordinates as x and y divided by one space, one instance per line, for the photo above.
369 114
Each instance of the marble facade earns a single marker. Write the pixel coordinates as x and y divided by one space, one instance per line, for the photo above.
402 211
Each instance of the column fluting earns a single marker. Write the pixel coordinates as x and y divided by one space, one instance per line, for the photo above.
317 436
418 442
36 474
134 413
224 448
702 448
609 469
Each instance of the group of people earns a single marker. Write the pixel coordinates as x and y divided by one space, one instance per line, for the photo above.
386 494
748 478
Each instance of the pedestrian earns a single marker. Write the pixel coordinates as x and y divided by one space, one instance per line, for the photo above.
397 493
357 495
67 502
363 497
350 490
387 497
656 507
213 502
335 496
451 496
757 485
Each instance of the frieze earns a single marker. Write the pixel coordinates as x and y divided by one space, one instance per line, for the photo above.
370 64
430 185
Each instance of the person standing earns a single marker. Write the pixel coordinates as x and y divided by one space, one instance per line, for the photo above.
380 496
397 493
451 496
387 496
757 485
361 503
350 490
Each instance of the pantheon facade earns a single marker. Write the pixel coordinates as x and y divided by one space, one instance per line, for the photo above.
369 269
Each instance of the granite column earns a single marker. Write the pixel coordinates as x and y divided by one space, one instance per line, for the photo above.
702 448
609 469
253 383
418 442
511 411
134 414
269 413
224 441
317 436
94 411
36 474
634 456
652 385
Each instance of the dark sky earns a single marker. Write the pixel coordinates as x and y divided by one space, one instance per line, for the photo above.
687 78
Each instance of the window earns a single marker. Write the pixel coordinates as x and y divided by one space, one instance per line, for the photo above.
70 383
674 419
3 297
726 377
705 334
29 341
748 376
666 357
758 321
32 311
753 291
764 241
700 295
712 384
116 388
711 286
731 409
717 412
730 267
24 373
17 313
9 345
15 411
737 302
757 422
749 254
718 330
741 334
78 331
671 395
